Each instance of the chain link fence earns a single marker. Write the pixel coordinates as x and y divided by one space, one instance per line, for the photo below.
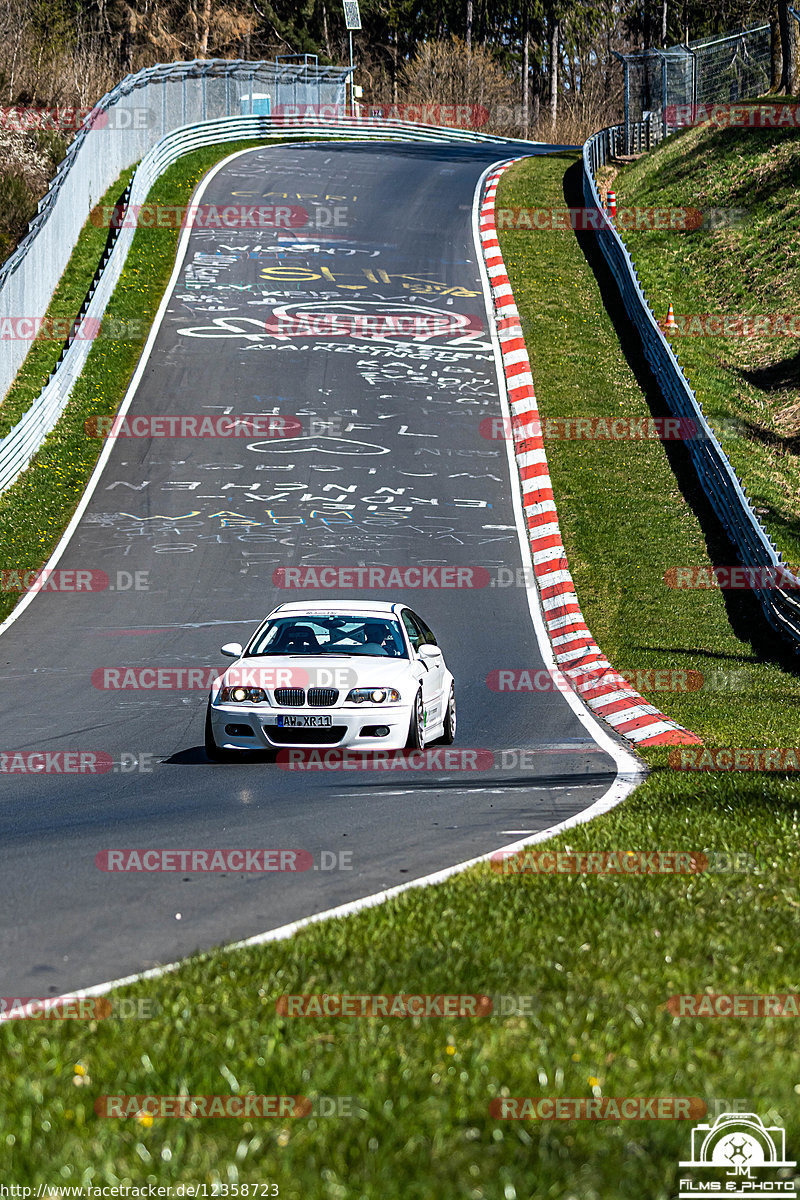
668 86
123 126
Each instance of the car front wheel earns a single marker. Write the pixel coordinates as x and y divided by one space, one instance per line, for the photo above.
416 735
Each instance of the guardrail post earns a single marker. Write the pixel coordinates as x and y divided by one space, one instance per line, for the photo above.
627 93
716 476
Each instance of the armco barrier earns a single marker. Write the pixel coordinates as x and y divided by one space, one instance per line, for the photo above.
717 477
121 128
20 445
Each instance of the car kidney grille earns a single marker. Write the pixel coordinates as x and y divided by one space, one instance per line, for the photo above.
296 697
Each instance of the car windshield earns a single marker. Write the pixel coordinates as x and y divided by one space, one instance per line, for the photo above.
378 637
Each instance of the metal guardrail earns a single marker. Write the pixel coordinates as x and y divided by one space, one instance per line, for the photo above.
22 443
728 498
126 123
642 136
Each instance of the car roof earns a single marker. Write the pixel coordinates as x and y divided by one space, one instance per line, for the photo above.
355 608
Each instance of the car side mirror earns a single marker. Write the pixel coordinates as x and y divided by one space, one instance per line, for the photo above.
231 650
428 651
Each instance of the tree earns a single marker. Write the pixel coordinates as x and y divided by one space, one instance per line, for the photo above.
450 74
553 43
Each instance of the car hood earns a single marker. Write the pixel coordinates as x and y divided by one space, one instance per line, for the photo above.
318 670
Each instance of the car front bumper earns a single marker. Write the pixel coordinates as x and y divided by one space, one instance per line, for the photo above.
254 727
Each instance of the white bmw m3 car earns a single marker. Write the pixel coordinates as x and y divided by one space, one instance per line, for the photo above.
359 674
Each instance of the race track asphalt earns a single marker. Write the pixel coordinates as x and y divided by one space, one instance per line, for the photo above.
392 469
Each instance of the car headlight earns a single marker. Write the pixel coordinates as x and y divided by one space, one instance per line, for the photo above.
242 695
373 696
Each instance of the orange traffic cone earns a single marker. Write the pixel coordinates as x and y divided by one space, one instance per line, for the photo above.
670 325
611 204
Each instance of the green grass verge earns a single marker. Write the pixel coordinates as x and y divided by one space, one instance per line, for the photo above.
64 307
623 518
747 268
599 955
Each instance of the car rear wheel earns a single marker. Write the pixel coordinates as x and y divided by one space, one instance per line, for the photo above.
416 734
449 734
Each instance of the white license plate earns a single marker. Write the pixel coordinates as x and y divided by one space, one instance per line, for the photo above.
302 722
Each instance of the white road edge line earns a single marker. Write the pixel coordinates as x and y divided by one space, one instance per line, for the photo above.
619 789
630 771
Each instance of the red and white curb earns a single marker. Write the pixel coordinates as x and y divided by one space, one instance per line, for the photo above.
576 653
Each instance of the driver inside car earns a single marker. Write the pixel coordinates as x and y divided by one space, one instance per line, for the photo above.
378 639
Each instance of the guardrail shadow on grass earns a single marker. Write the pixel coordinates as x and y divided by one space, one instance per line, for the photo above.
736 520
743 608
